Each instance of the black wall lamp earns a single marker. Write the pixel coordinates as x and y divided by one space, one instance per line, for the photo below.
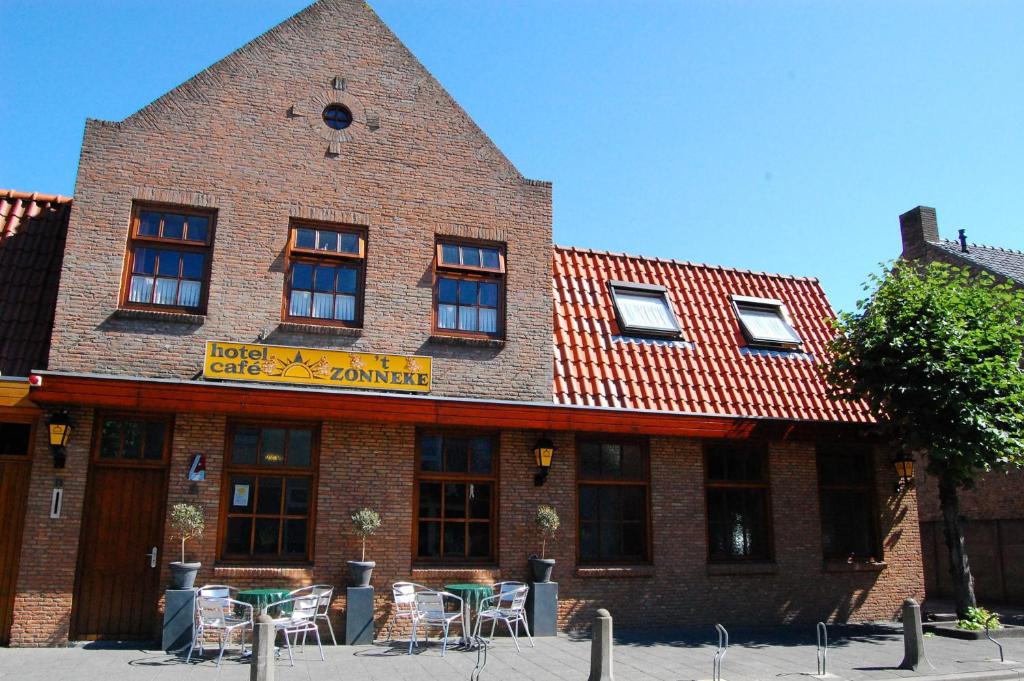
60 427
904 464
543 452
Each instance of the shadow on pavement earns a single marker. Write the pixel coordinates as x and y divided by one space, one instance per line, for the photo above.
754 637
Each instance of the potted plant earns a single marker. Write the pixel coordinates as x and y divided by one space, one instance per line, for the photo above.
188 523
365 522
547 523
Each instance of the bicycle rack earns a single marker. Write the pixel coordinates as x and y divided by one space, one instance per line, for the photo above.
822 651
989 636
481 644
723 635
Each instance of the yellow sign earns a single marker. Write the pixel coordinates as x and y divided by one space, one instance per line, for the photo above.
333 368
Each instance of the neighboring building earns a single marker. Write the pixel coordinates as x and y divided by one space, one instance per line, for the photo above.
994 511
305 282
32 231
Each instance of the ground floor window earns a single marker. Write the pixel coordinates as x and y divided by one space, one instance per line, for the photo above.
269 498
456 485
846 494
738 504
613 482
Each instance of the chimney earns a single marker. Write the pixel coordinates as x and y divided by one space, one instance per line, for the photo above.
918 227
963 240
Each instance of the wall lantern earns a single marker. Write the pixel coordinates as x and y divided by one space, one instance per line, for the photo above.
60 432
543 451
904 464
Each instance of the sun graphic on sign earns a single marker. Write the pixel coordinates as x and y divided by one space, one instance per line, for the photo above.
297 367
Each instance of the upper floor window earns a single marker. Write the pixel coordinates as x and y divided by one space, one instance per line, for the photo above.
613 481
644 309
168 259
765 322
739 511
846 493
325 275
469 290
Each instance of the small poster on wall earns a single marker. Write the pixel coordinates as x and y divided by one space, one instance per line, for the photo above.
197 471
241 497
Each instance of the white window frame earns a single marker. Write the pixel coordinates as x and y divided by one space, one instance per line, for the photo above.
767 304
652 290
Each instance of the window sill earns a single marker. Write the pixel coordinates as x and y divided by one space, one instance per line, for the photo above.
157 316
435 574
614 571
466 340
759 568
320 329
263 571
853 566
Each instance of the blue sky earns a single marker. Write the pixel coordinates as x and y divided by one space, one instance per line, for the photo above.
778 136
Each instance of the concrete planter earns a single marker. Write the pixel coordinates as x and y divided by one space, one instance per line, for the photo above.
541 568
183 575
949 629
361 570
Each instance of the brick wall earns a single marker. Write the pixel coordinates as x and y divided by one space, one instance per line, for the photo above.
246 138
373 465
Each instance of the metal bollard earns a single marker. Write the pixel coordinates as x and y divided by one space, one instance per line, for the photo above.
822 648
723 648
261 665
601 647
913 637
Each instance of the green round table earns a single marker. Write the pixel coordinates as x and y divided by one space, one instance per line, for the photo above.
471 595
261 598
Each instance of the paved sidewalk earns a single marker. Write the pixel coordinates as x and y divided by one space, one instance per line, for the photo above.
857 652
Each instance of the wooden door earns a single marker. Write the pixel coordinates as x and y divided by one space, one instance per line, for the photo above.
118 580
15 466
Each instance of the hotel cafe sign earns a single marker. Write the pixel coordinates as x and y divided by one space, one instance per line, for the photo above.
310 366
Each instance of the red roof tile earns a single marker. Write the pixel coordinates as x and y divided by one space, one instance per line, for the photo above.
32 232
711 371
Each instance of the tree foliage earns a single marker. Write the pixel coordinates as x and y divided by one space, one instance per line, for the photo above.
936 352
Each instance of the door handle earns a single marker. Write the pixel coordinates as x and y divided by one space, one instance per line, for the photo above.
152 557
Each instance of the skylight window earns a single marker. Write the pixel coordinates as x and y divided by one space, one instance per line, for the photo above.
644 310
765 322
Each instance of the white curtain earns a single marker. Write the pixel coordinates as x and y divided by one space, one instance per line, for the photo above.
649 312
488 320
345 308
298 306
446 316
188 293
467 318
767 325
323 305
142 290
165 291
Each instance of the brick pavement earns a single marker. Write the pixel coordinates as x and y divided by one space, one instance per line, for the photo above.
857 653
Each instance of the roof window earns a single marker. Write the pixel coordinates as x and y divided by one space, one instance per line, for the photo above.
765 322
644 310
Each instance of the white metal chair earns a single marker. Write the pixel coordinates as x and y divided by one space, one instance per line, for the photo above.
299 617
508 606
218 612
405 603
433 609
324 594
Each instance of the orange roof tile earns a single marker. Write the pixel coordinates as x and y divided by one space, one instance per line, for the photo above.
711 370
33 228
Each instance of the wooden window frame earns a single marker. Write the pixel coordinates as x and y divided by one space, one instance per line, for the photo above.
868 488
256 471
22 420
97 439
645 447
137 241
468 478
312 256
470 273
652 290
764 484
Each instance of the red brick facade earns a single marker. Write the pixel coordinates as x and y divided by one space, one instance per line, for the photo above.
244 138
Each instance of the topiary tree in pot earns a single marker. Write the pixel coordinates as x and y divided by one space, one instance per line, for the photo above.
365 522
188 523
547 522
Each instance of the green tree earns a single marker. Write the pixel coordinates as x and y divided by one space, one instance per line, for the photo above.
936 352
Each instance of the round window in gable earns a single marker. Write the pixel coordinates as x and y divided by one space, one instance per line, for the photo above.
337 116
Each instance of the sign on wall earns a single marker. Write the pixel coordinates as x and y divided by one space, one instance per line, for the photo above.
311 366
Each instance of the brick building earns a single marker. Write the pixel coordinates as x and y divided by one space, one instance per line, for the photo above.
993 512
309 273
